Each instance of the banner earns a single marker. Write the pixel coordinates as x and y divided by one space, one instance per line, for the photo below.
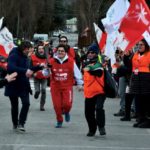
6 41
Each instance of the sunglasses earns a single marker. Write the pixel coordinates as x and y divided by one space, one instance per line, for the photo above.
63 41
90 52
141 44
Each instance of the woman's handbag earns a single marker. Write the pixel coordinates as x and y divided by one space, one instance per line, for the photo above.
110 85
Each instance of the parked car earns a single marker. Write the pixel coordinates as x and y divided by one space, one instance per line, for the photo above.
40 37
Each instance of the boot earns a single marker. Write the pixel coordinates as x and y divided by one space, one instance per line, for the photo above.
119 113
42 107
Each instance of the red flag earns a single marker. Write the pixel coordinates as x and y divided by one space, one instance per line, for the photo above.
101 37
134 24
102 42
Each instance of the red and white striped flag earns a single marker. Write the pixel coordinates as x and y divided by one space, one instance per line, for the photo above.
101 37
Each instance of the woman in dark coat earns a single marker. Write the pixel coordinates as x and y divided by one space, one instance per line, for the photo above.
140 84
19 62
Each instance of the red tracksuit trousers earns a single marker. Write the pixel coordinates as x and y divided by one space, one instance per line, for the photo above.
62 101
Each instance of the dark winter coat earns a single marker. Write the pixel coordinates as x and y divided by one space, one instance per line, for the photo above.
140 84
3 82
18 62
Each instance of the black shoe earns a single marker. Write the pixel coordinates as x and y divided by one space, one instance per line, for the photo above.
125 119
90 134
102 131
36 95
133 115
42 109
136 125
15 128
145 124
120 113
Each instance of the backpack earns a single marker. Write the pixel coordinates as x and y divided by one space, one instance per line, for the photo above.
110 85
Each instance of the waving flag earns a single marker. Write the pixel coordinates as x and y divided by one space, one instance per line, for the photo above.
1 22
101 37
134 24
111 23
115 14
146 36
6 42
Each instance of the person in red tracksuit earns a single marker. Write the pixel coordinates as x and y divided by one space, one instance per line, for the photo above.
40 77
63 72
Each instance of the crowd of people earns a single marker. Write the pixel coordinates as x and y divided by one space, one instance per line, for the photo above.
62 67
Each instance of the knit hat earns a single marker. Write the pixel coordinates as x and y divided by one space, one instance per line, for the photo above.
94 48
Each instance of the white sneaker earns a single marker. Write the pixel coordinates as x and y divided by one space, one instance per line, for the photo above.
21 128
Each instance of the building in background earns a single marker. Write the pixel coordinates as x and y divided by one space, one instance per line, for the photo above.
71 25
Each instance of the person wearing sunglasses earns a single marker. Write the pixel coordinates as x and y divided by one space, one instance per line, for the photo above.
63 40
94 92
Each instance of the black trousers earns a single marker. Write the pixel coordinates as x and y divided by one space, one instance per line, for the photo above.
128 102
94 112
15 109
142 103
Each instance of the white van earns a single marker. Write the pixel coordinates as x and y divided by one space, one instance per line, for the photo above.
41 37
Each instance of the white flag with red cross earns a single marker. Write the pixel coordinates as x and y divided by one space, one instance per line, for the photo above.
134 24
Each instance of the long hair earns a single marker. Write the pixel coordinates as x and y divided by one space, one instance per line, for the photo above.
147 48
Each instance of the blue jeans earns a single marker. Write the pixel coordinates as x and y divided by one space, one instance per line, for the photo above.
122 88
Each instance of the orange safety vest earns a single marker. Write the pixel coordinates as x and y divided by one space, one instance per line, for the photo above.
93 85
141 63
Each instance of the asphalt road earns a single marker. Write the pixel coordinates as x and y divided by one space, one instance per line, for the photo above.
42 135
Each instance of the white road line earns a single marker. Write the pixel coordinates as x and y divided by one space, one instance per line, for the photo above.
77 147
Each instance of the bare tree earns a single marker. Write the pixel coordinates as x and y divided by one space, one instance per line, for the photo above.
90 11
